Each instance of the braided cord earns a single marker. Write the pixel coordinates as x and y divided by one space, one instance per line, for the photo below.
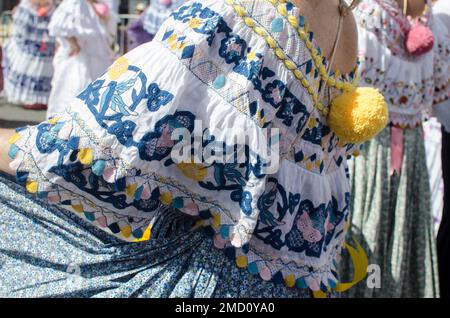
316 56
279 53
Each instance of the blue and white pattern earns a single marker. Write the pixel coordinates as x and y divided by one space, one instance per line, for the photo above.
108 157
28 56
73 258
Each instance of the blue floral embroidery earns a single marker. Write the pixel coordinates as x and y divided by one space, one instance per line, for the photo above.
232 49
315 134
112 193
250 68
157 144
274 93
313 228
266 201
47 141
211 22
246 203
91 94
307 233
157 97
123 131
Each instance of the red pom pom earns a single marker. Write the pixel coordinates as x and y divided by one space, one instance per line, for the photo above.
419 40
42 11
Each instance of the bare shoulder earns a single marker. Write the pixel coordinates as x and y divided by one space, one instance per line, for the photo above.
348 47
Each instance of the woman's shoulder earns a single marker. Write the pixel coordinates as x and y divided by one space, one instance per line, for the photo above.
323 17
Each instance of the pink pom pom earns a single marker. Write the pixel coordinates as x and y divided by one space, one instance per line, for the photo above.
419 40
101 9
165 2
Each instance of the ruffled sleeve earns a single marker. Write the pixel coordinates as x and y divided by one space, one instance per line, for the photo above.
59 161
75 18
108 157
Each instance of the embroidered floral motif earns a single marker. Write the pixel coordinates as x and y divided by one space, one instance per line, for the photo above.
193 171
232 49
119 68
91 94
157 98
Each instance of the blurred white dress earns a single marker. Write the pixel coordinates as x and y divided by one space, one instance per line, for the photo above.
432 128
28 55
442 111
77 18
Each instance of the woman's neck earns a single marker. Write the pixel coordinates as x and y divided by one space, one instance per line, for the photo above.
415 8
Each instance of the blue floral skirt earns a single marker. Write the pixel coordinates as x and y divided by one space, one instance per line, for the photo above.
49 252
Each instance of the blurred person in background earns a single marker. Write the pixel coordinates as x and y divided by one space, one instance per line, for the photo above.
84 49
404 52
136 32
157 12
442 112
1 71
28 55
113 6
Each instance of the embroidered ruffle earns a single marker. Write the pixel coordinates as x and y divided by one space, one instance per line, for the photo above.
108 157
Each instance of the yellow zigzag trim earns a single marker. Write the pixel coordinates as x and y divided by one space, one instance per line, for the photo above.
316 56
279 53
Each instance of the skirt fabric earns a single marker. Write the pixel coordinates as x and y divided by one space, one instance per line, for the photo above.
49 252
392 220
433 146
27 79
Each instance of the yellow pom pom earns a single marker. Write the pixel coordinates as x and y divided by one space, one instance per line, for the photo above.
358 115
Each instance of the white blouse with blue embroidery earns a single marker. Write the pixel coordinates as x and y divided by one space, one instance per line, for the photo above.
252 65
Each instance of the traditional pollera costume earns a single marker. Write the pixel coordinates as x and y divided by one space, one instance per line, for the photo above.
127 215
391 208
28 55
77 19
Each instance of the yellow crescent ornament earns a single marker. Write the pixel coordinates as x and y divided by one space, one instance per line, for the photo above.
360 264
